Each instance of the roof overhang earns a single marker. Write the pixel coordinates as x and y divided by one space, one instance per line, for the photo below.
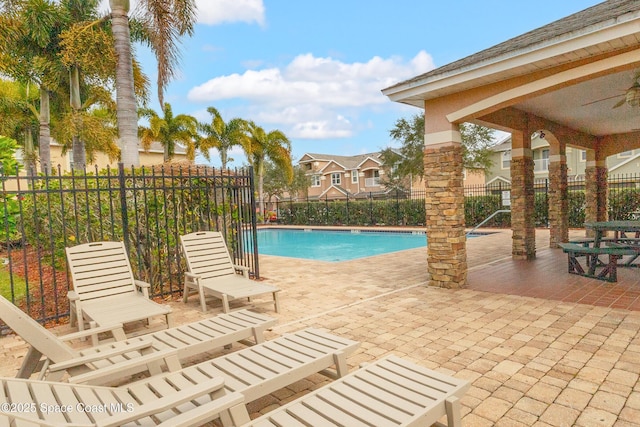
609 36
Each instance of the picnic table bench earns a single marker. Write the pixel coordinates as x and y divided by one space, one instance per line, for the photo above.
591 254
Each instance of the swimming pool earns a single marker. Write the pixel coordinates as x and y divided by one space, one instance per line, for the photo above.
334 245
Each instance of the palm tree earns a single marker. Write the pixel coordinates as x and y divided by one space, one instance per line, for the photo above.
260 146
19 118
29 55
221 136
168 130
164 22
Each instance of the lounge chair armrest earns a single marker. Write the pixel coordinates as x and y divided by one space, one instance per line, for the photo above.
175 399
114 372
116 329
143 287
243 269
83 360
73 296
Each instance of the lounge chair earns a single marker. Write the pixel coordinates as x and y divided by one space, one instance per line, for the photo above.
46 403
390 392
109 362
264 368
211 271
105 290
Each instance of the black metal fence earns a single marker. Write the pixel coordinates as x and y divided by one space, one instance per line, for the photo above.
408 207
147 208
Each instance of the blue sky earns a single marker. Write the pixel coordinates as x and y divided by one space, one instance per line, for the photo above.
315 69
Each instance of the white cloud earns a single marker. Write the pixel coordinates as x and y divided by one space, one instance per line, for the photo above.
311 97
214 12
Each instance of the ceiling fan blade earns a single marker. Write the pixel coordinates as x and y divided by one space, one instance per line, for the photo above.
600 100
620 103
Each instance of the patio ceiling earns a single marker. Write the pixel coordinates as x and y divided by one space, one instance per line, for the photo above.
588 107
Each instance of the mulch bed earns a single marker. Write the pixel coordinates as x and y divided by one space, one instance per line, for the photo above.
45 283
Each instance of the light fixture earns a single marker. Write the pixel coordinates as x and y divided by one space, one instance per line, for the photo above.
633 95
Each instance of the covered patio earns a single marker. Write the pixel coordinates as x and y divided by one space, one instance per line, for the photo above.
576 81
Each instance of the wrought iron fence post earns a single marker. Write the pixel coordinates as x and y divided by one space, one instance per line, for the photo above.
254 223
326 210
371 208
397 207
347 208
123 207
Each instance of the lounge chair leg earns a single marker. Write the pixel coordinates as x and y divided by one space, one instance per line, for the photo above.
169 321
225 303
29 363
276 302
452 406
203 300
340 361
185 292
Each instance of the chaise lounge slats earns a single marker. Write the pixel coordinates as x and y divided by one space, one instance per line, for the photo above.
165 405
104 289
212 272
390 392
262 369
133 353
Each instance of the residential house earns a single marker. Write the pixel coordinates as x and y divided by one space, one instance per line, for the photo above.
339 177
627 162
153 156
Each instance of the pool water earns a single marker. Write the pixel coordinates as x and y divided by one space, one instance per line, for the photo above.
335 246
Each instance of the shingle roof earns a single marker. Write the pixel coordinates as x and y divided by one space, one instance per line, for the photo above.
349 162
602 14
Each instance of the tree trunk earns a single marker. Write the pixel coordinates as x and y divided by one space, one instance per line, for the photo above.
125 96
45 132
29 153
79 156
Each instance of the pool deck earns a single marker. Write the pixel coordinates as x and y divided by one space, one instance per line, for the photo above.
536 350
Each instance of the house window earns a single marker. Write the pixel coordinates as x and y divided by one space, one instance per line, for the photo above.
354 177
506 159
336 178
542 164
625 154
315 180
374 181
307 166
583 155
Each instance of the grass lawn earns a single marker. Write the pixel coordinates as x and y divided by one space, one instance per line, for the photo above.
19 286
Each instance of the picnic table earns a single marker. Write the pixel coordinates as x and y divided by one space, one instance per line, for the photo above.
619 228
625 242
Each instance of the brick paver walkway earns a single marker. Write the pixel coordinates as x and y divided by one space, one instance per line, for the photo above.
532 361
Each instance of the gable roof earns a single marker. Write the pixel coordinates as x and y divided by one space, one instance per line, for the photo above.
347 162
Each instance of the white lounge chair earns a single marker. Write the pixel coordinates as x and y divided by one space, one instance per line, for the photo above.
264 368
105 290
113 361
211 271
390 392
45 403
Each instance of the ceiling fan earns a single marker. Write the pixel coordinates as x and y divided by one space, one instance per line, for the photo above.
631 96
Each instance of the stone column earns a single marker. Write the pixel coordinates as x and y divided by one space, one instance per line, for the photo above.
596 190
522 197
446 249
558 198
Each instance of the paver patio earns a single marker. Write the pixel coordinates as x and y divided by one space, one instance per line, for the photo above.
532 361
